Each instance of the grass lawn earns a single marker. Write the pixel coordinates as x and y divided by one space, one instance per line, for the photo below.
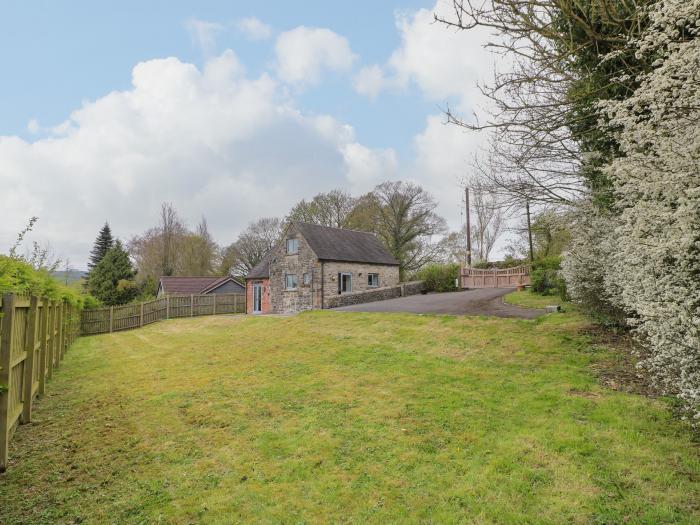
347 417
531 300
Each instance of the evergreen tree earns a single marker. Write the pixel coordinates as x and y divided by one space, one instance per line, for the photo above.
103 244
112 279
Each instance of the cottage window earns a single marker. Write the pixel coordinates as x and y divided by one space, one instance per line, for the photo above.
290 281
372 280
344 282
307 278
292 246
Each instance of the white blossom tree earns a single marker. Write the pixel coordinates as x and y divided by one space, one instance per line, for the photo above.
655 260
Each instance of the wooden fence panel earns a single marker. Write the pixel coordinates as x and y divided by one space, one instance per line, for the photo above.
154 311
230 303
113 319
34 336
495 278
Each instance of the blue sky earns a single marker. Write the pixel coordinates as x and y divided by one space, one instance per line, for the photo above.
261 103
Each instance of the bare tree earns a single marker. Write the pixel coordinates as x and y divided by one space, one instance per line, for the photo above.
487 224
198 253
327 209
406 221
157 252
171 228
542 117
251 246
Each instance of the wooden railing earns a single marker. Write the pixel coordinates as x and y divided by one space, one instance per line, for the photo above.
495 278
34 336
127 317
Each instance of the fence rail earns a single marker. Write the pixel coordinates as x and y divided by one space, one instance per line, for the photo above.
495 278
127 317
34 336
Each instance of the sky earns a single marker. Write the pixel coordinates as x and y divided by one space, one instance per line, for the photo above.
228 110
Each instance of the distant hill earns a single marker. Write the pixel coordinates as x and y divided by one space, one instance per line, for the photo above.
68 276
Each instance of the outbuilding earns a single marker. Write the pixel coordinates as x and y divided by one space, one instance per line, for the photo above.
199 285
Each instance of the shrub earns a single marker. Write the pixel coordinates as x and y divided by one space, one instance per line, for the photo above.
546 279
508 262
19 277
654 268
439 277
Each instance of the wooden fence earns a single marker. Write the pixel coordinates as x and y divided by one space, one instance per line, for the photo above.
34 336
495 278
116 318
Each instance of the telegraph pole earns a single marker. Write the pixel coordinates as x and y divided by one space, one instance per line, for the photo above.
469 228
529 229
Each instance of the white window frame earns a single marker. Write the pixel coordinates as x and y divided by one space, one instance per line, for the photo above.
376 283
296 246
286 281
343 274
306 278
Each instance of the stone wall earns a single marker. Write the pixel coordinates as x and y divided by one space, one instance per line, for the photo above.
377 294
306 296
388 277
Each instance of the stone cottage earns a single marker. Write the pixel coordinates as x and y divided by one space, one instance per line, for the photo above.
320 267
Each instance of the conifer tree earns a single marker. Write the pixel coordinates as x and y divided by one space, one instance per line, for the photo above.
103 244
112 279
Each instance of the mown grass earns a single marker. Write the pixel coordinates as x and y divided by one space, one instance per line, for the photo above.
529 299
347 417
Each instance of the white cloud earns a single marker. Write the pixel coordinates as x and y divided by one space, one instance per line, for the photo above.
253 28
212 141
33 126
443 63
304 52
203 34
370 81
368 167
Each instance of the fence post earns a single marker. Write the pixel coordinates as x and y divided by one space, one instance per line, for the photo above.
214 313
8 310
191 305
235 304
111 318
66 328
167 307
43 354
30 362
50 339
59 335
141 317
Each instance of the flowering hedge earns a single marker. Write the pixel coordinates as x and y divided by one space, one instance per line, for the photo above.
644 259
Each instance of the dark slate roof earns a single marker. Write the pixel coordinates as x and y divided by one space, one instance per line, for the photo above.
337 244
262 269
192 285
220 281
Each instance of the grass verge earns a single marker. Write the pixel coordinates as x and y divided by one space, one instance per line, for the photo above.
348 417
529 299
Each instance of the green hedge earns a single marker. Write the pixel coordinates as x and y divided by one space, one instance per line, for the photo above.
508 262
19 277
545 278
439 277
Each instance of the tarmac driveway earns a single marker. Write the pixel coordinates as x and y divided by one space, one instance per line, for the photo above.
484 301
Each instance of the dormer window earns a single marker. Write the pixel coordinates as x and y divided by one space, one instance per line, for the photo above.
292 246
